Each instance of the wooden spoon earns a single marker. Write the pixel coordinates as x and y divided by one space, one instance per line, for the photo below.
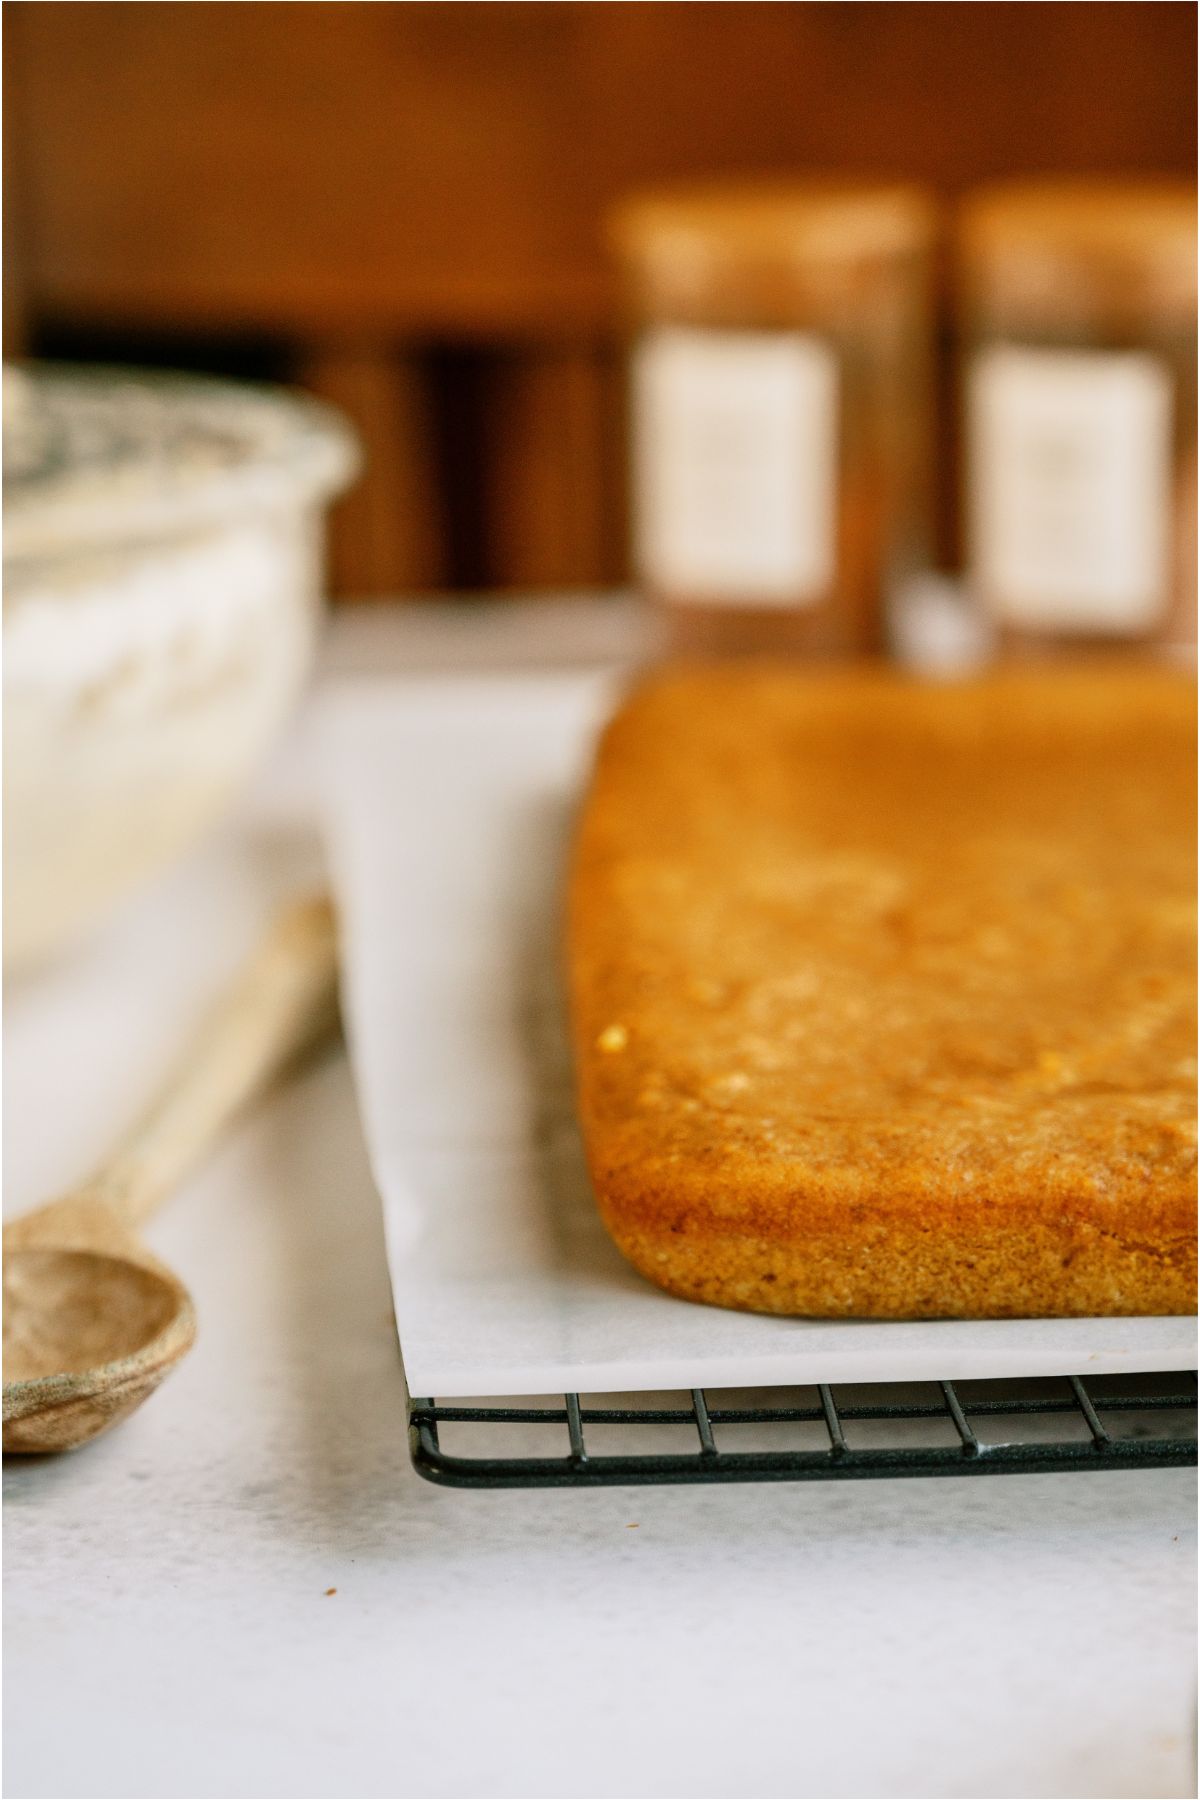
93 1321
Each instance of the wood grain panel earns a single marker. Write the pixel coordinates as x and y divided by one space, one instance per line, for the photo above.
388 532
379 174
446 166
549 418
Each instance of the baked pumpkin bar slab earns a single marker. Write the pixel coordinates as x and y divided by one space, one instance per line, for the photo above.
883 991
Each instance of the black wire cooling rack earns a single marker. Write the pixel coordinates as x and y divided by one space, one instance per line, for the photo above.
815 1434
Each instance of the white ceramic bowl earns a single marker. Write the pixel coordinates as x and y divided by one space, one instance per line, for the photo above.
162 572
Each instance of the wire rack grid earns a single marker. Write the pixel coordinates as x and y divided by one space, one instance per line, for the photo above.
935 1429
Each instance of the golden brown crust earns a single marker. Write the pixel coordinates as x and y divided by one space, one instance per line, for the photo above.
883 991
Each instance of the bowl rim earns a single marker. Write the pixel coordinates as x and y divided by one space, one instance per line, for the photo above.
287 451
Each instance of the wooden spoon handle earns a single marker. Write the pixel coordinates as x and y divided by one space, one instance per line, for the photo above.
281 1003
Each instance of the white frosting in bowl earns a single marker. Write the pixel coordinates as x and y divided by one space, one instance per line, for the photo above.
162 566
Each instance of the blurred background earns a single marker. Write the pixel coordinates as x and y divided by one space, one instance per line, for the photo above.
400 207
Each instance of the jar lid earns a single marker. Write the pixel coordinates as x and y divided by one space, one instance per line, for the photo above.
833 222
1131 246
97 456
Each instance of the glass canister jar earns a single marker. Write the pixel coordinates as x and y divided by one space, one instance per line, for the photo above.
1078 326
781 394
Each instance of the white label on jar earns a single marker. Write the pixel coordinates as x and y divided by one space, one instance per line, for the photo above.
734 449
1070 459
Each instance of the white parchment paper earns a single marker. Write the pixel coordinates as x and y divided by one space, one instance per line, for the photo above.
448 804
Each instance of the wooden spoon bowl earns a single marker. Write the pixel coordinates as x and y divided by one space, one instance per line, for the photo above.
92 1320
88 1333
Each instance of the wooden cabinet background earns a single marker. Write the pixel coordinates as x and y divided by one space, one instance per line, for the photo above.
400 206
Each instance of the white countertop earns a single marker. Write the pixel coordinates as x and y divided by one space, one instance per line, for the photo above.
168 1629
